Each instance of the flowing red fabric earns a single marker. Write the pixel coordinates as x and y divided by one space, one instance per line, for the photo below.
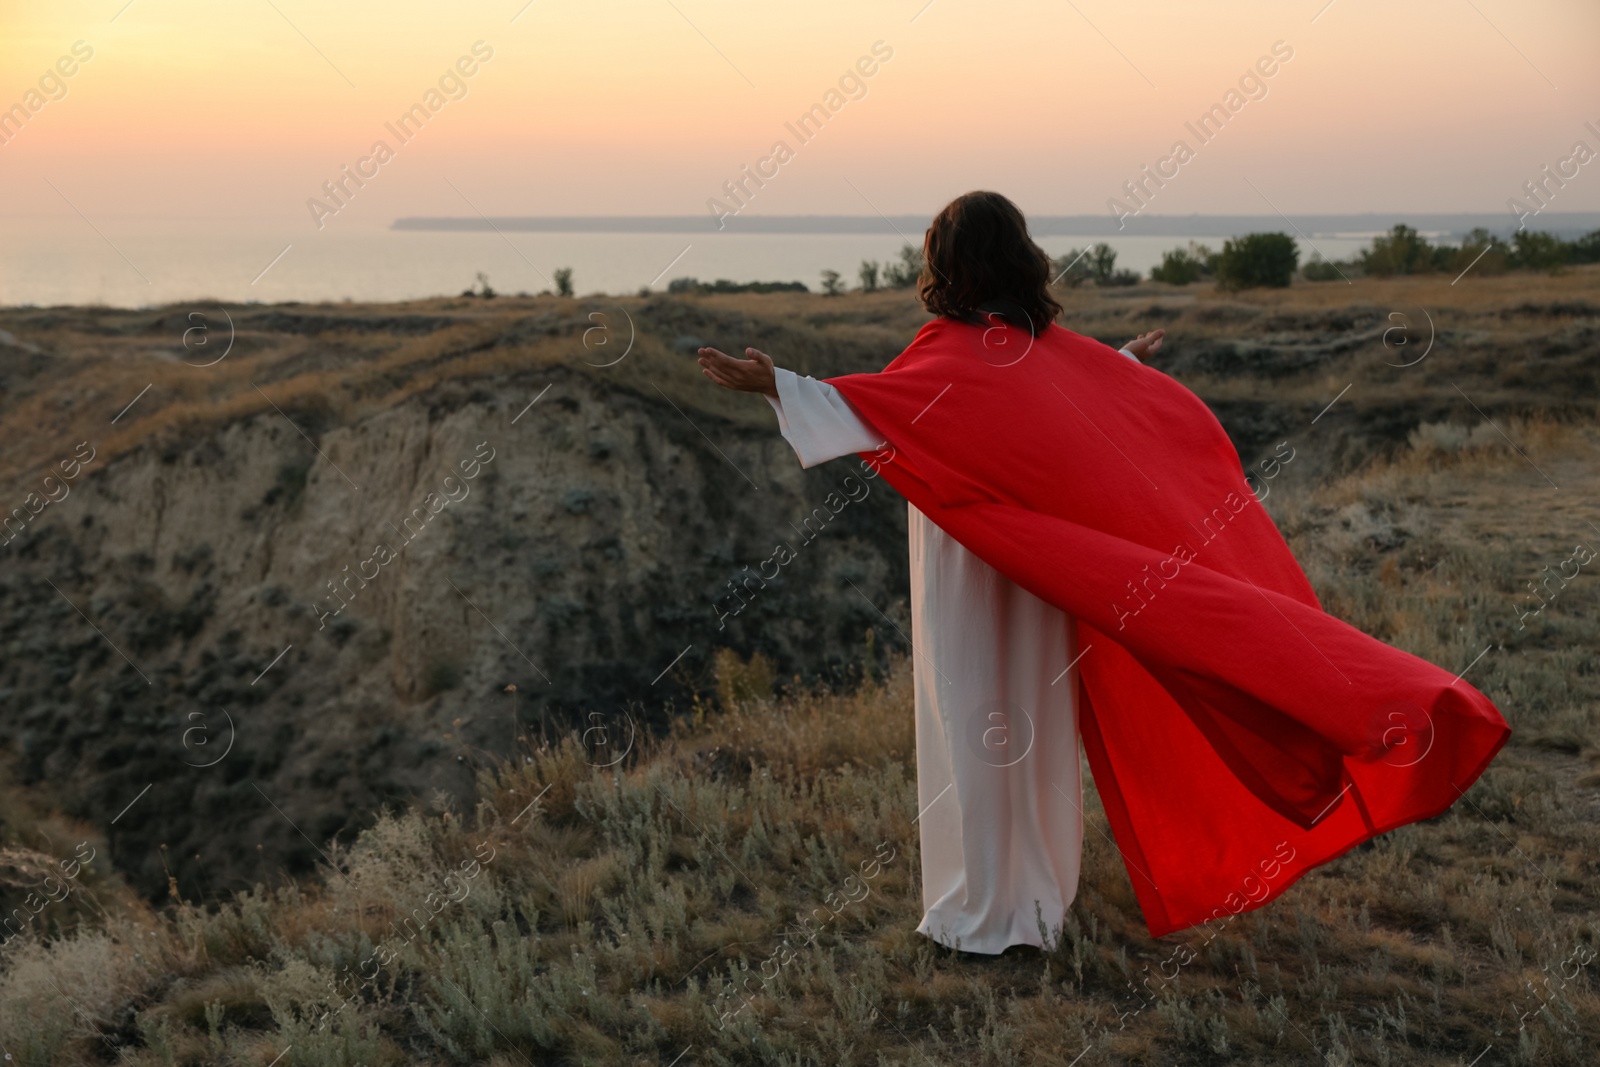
1238 734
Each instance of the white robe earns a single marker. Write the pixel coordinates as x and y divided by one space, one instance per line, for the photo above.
995 681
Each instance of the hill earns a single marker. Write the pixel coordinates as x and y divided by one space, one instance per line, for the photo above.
659 841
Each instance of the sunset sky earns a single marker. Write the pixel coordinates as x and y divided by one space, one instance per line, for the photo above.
194 109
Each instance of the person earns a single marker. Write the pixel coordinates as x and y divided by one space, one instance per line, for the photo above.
998 772
1023 514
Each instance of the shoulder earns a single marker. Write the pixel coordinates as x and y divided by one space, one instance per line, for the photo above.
1067 340
931 339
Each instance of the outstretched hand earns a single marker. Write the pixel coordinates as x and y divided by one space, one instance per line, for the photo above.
753 375
1146 344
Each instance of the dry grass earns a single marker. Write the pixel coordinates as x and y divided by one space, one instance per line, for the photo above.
368 357
623 904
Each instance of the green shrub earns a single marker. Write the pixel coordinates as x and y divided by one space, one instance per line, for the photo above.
1184 265
1403 251
1257 259
1102 263
1097 263
723 285
868 275
1538 250
1318 269
1495 254
481 289
1585 249
904 274
1400 251
1072 269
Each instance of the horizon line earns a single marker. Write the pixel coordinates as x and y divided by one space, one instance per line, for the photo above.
1101 225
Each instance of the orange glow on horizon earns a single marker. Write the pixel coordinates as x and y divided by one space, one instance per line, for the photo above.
187 110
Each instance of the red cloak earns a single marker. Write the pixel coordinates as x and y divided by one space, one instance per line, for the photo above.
1238 734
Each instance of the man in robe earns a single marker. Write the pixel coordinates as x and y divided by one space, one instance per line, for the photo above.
1087 557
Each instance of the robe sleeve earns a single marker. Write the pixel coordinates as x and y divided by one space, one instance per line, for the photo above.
818 422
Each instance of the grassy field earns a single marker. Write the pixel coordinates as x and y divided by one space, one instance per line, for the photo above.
591 909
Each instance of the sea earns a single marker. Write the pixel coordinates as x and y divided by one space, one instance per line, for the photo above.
149 262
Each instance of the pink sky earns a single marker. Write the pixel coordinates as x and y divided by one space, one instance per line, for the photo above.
194 110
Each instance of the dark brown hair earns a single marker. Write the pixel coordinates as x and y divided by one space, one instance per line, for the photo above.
979 260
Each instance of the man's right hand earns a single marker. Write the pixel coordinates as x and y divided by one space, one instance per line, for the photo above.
753 375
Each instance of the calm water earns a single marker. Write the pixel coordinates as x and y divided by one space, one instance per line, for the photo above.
135 264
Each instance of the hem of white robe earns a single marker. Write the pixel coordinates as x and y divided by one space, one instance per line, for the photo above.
1023 929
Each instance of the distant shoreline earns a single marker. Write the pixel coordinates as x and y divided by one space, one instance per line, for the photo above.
1565 224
